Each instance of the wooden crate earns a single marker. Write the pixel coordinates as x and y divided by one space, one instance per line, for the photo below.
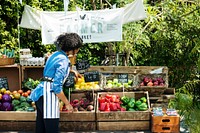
154 91
17 121
136 73
167 124
127 69
66 126
124 120
34 72
13 74
25 121
164 99
78 121
17 116
107 77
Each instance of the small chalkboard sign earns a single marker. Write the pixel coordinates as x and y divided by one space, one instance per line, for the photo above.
4 83
123 78
69 81
82 64
91 76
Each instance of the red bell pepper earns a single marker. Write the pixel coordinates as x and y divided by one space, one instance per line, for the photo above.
113 107
107 108
118 106
102 106
102 99
108 96
108 100
113 98
123 109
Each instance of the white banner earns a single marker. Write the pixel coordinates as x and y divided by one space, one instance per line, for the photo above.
92 26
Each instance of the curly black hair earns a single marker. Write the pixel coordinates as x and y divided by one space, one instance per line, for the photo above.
68 42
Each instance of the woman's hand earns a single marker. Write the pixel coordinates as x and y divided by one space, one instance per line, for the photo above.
77 74
69 107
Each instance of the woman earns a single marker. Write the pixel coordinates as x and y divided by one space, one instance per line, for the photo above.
48 93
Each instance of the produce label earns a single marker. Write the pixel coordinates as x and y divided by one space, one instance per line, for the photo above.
91 76
4 83
70 80
123 78
82 65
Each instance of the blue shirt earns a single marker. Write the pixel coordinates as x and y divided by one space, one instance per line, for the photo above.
56 67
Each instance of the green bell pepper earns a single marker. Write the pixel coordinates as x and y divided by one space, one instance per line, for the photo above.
143 99
125 99
137 103
131 109
142 107
131 103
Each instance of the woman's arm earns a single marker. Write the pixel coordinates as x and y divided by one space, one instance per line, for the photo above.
77 74
63 98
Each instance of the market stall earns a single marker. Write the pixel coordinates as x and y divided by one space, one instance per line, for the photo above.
126 81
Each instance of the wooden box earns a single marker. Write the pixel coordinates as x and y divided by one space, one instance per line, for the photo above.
155 83
78 121
7 61
124 120
34 72
17 121
13 74
118 86
164 99
135 73
166 124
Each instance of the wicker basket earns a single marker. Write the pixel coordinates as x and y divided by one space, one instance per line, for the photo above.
7 61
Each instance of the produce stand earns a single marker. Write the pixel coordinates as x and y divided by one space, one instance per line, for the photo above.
124 120
95 119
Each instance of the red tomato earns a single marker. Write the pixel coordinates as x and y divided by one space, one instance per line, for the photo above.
29 92
25 94
20 91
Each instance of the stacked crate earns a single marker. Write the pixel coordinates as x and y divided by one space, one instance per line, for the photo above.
165 124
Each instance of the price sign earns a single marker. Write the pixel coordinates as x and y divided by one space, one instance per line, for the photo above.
82 65
91 76
69 81
123 78
4 83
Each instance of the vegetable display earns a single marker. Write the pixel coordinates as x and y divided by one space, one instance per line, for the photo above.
6 98
82 85
113 102
148 81
114 83
16 100
6 106
84 103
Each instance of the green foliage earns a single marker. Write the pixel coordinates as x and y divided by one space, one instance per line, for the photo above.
187 102
172 29
168 37
92 52
8 24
